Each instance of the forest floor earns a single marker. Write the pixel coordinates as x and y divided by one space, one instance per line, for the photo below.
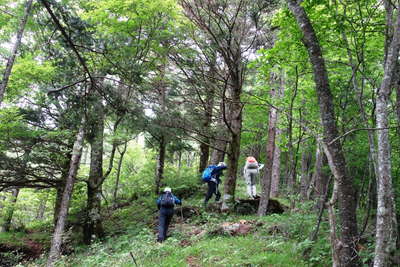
197 237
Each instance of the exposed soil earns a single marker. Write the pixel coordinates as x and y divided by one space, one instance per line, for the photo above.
10 255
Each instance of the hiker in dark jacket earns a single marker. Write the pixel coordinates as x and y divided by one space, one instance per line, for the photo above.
165 204
214 182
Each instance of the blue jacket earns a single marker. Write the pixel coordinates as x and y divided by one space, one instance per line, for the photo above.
217 172
176 200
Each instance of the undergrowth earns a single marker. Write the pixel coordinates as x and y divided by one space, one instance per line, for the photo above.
278 240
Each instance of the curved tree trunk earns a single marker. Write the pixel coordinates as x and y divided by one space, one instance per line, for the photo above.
56 242
10 210
346 192
11 59
121 157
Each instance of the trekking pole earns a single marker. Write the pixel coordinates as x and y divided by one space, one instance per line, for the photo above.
133 258
181 219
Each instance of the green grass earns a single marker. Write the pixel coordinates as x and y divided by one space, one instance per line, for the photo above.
277 240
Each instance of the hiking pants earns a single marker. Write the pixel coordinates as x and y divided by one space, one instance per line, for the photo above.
250 178
212 189
164 219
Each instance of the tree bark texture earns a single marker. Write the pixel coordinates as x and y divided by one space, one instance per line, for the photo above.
11 59
93 228
276 166
56 242
265 181
10 210
346 192
235 125
208 112
42 207
121 157
305 180
320 177
385 224
219 143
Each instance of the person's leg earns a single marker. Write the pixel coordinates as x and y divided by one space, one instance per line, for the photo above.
247 178
253 184
161 227
210 192
217 193
168 218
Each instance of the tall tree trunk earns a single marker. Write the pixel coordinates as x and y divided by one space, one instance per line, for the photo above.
93 228
306 158
10 210
233 113
276 164
42 207
208 112
121 157
346 192
276 168
11 59
219 144
56 242
385 217
291 163
160 163
265 181
320 177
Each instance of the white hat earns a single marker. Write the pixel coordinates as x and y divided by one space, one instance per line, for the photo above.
167 189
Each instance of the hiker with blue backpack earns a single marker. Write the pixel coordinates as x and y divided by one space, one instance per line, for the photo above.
166 203
211 176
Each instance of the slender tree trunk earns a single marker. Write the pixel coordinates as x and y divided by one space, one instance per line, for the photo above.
291 163
11 59
121 157
218 153
160 163
398 102
346 192
56 242
265 181
204 154
385 218
42 207
333 236
93 228
208 112
320 177
234 115
276 168
10 210
306 158
276 164
219 143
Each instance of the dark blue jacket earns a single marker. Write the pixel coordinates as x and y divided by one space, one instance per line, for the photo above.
176 200
217 172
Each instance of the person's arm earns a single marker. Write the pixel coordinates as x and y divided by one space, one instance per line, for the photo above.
260 166
158 202
177 201
218 170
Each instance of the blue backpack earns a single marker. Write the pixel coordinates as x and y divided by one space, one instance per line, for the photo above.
167 200
207 173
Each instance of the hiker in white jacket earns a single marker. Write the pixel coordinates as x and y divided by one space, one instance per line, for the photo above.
250 172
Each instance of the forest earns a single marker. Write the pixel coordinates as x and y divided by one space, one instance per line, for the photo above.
108 105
